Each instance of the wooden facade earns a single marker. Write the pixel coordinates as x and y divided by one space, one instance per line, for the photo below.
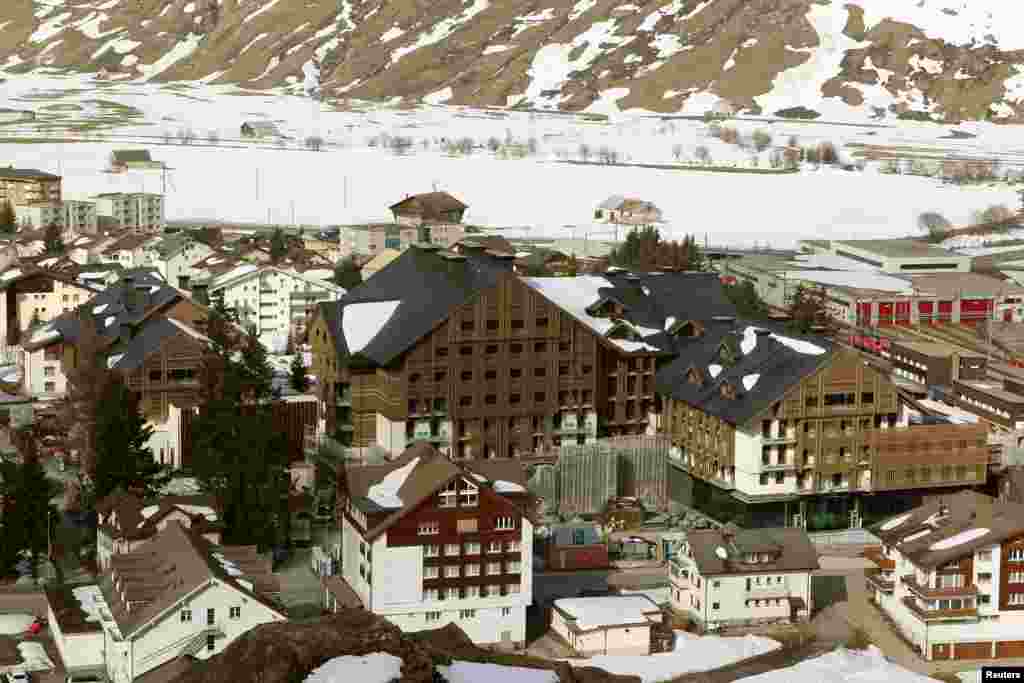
507 374
169 374
927 456
1011 548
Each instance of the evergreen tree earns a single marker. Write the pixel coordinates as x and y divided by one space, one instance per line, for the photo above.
808 311
347 274
278 245
54 243
27 493
122 457
8 219
746 300
298 378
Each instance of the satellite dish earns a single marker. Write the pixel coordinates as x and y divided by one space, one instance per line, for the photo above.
721 553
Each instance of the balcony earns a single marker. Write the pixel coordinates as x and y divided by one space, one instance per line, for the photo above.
962 614
930 593
875 555
877 579
788 437
775 590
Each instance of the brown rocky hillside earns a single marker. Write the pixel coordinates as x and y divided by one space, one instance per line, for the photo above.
560 53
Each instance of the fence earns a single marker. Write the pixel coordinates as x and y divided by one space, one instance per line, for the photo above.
844 537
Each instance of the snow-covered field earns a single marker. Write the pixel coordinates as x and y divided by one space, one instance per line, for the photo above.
259 182
692 653
843 666
384 668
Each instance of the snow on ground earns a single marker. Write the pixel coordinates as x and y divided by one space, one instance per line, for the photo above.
177 53
843 666
15 624
955 21
378 667
33 657
691 654
441 30
473 672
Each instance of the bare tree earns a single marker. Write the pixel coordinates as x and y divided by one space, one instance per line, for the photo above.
493 144
761 139
585 152
531 144
677 151
702 154
314 143
934 224
212 137
827 153
775 159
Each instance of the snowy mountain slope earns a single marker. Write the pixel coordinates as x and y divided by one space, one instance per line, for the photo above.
957 59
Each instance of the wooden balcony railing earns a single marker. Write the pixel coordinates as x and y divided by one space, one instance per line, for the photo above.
930 593
940 614
876 578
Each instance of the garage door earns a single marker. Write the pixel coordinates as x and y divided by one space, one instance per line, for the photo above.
1010 648
940 651
973 651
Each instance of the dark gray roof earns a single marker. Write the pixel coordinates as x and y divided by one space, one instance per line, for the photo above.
26 174
780 368
148 338
169 245
429 286
127 155
792 548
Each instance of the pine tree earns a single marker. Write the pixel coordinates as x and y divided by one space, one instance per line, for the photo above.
298 378
809 310
54 243
27 493
122 457
87 381
8 219
347 274
278 245
746 300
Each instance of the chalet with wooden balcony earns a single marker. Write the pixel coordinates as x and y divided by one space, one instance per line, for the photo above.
801 430
459 351
951 576
733 576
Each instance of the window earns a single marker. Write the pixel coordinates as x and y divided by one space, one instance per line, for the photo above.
451 549
210 616
513 546
442 352
491 374
491 399
516 348
430 594
471 548
467 526
431 550
467 325
540 347
539 372
506 611
867 397
494 547
563 369
512 588
515 373
433 616
542 322
587 369
466 376
439 376
465 401
235 613
493 568
492 324
505 523
512 567
714 605
514 398
518 324
472 570
429 528
469 495
539 397
717 584
430 572
448 496
465 350
451 571
780 477
210 645
186 615
472 591
467 614
764 480
414 377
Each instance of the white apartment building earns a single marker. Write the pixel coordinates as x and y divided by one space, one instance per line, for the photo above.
174 257
41 373
75 217
736 577
182 596
950 575
427 541
277 302
128 252
137 210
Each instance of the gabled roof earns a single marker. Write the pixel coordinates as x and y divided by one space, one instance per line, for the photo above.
426 285
169 246
760 377
421 472
147 340
428 204
378 262
127 243
791 547
25 270
129 155
493 242
134 519
612 202
967 513
243 274
11 173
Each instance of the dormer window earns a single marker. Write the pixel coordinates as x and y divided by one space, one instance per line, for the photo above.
606 308
728 351
686 328
469 494
695 376
727 390
448 496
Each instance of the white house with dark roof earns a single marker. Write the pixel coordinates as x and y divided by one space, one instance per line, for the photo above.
950 576
427 541
736 577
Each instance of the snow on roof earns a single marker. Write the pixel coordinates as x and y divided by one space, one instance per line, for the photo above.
502 486
721 552
99 309
853 279
749 343
45 334
10 274
361 322
599 612
750 380
378 667
895 522
81 240
959 539
670 321
914 537
714 369
193 510
110 320
91 601
475 672
832 262
385 492
49 261
575 294
195 334
149 511
114 360
955 414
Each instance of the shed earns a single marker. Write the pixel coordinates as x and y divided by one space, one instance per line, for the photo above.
609 625
259 129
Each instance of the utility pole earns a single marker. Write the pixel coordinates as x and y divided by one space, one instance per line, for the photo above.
293 213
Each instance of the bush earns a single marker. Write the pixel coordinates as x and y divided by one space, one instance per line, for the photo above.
915 116
761 139
797 113
729 135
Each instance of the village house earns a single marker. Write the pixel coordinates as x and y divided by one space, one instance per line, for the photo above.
22 186
950 577
370 239
31 294
122 160
627 211
125 522
430 218
740 577
174 256
575 547
128 251
378 263
259 130
458 350
606 625
142 211
178 596
427 541
797 431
